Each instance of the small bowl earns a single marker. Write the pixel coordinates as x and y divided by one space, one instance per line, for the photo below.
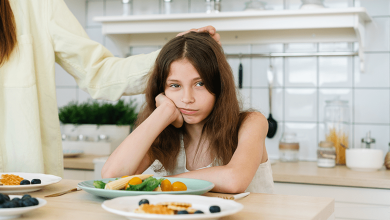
364 159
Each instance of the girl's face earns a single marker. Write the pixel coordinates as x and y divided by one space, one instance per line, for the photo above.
186 89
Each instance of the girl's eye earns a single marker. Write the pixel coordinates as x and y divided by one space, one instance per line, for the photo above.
200 84
174 85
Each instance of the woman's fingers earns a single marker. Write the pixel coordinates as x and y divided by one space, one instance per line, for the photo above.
209 29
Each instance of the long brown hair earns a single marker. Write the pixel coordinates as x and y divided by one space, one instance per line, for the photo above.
221 126
7 31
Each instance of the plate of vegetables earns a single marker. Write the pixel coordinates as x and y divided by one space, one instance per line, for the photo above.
16 182
145 184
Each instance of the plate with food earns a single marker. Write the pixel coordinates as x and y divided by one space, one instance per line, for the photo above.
145 184
172 207
25 182
14 206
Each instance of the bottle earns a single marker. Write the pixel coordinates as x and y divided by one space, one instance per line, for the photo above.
337 126
217 6
167 6
209 6
289 147
127 7
326 154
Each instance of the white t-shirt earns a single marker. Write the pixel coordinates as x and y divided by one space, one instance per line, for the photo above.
262 182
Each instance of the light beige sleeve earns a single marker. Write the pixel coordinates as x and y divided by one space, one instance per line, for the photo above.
94 68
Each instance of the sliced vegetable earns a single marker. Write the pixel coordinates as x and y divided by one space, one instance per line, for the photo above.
99 184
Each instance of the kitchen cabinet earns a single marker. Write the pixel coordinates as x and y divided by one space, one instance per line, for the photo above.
358 195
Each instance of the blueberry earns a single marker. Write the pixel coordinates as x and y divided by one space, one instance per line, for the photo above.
182 212
14 204
143 201
198 212
25 182
16 199
6 204
215 208
26 196
6 197
34 201
20 202
36 181
3 199
27 202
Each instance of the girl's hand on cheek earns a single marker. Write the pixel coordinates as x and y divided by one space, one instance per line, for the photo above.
177 117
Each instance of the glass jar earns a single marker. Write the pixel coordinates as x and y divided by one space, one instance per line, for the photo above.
337 126
289 147
326 154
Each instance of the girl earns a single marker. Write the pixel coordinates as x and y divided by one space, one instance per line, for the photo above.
192 125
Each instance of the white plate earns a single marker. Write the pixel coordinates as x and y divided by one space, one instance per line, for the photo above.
72 153
9 213
45 180
126 205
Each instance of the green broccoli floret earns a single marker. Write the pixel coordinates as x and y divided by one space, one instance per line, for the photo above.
99 184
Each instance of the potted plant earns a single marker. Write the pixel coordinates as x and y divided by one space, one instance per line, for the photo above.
94 118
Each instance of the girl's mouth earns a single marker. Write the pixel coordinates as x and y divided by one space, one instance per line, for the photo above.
187 111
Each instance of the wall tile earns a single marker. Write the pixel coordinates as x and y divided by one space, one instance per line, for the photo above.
377 34
83 96
78 8
246 70
259 69
95 33
146 7
114 8
335 47
272 144
300 105
335 71
260 102
301 47
138 99
307 137
244 95
267 48
66 95
301 72
94 9
63 78
274 4
109 44
143 49
379 132
235 62
372 106
293 4
376 74
374 7
331 94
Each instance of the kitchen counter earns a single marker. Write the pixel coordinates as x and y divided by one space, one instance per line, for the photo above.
309 173
83 162
82 205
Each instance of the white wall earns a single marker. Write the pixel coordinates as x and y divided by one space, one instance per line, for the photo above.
302 84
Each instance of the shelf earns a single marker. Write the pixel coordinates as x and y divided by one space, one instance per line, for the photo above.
244 27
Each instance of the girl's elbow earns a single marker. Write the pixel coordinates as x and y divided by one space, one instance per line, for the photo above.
236 185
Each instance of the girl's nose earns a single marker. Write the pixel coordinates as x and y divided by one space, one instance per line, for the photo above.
188 97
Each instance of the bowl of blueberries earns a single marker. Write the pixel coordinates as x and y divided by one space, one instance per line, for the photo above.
13 206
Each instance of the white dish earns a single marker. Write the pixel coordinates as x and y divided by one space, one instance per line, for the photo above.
361 159
9 213
45 180
72 153
125 206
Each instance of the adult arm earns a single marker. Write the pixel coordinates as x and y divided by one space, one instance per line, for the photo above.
236 176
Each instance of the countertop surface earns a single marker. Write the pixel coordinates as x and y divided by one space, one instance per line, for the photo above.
309 173
82 162
81 205
300 172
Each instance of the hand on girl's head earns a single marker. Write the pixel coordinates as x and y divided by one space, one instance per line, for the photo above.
160 99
